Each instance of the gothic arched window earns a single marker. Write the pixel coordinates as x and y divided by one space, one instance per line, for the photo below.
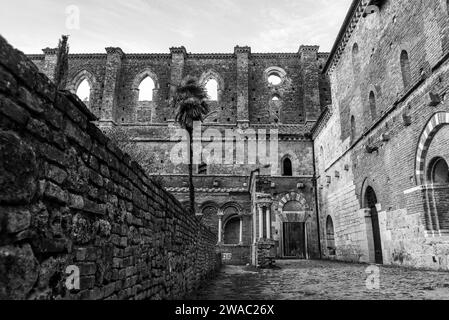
353 129
146 88
212 89
287 170
372 105
355 59
83 91
405 69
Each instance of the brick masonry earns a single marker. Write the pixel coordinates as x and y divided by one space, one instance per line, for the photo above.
383 152
70 197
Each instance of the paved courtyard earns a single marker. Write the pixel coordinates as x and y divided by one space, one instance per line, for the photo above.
312 280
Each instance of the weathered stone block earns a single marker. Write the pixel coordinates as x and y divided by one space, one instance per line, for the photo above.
14 111
56 193
17 219
19 270
18 170
8 84
30 101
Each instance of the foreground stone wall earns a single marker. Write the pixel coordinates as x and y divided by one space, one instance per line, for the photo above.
68 197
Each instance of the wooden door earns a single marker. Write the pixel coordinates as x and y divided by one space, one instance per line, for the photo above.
294 240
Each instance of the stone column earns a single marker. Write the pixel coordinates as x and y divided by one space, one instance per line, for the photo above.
220 228
255 213
241 231
268 218
111 79
242 55
260 222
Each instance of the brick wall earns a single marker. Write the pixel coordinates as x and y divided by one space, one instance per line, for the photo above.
70 197
407 211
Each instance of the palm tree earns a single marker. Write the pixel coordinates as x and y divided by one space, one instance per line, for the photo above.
190 103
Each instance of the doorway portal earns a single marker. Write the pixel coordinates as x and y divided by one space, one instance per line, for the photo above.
371 201
294 240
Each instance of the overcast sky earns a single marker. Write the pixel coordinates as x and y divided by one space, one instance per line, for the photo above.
146 26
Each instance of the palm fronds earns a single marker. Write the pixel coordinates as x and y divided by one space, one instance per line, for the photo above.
190 103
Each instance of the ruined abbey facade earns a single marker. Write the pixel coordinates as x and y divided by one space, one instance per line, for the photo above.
361 172
245 98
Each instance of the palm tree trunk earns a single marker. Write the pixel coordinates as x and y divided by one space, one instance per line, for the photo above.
191 186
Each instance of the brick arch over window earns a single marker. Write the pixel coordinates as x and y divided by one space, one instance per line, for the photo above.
276 71
292 196
433 126
208 206
209 215
231 208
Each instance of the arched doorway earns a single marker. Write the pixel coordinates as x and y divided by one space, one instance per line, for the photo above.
231 233
370 203
294 231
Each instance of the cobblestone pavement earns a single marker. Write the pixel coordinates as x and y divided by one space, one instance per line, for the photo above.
314 280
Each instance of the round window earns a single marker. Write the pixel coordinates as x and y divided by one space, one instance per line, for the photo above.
274 79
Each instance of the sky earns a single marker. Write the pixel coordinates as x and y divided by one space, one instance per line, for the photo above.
153 26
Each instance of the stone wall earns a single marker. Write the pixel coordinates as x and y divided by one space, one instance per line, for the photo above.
68 197
244 93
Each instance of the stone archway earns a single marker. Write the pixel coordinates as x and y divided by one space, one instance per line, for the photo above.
292 196
437 121
231 230
293 217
